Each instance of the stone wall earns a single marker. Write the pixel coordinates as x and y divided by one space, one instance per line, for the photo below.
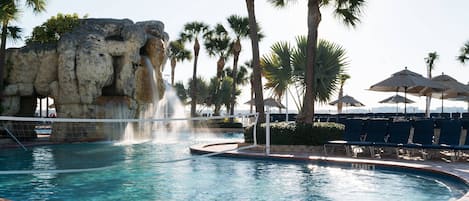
98 63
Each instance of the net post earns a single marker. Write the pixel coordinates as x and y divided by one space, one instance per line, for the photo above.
267 133
254 132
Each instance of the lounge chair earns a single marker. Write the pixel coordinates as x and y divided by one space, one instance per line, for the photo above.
376 133
423 132
422 136
353 136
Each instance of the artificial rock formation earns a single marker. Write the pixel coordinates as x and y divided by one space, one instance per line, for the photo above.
101 63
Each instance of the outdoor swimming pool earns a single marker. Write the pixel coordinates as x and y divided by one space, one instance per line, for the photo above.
134 172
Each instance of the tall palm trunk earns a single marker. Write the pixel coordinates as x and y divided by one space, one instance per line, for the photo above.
3 54
194 78
259 97
173 68
428 99
314 18
341 94
220 66
237 50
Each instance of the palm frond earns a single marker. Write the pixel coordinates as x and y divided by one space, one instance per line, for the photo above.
349 11
464 53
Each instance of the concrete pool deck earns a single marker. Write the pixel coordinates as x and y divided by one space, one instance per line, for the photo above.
455 169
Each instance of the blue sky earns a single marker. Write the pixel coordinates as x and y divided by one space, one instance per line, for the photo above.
393 34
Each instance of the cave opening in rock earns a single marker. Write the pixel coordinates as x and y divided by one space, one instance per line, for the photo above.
111 90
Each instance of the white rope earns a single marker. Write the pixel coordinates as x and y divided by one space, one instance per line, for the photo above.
11 118
206 155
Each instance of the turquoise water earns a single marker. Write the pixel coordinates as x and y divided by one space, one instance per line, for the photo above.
135 172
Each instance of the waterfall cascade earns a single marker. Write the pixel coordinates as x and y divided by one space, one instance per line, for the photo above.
159 109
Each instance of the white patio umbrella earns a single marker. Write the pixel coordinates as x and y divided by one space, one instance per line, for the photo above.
452 89
347 101
269 102
397 99
408 82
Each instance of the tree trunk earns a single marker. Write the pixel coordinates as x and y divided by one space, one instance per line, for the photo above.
173 68
3 54
220 66
341 94
236 51
428 99
314 18
259 97
194 78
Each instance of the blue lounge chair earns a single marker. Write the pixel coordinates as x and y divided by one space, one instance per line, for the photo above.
465 145
353 135
376 131
450 132
423 132
422 136
399 132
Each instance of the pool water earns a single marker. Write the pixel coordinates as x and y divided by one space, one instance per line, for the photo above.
139 172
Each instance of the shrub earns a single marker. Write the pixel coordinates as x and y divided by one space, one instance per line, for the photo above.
296 134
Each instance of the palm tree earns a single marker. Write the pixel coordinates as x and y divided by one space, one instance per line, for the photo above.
9 10
192 31
430 61
342 78
348 10
240 27
285 66
277 69
181 92
256 81
217 43
177 53
464 53
202 90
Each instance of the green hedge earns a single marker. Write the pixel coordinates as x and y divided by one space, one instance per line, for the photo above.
296 134
218 123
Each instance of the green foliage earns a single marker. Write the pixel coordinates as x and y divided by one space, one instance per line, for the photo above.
283 133
217 41
201 91
54 28
181 92
178 51
285 65
219 93
464 53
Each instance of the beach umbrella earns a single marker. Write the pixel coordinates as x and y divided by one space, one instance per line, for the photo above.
408 82
397 99
270 102
453 89
347 101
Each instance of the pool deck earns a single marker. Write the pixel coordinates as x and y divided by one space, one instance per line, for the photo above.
456 169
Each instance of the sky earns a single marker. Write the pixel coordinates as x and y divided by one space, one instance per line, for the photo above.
392 35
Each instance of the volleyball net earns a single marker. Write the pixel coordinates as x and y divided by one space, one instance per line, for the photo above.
117 130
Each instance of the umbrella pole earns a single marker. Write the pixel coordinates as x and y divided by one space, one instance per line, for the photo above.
405 104
441 102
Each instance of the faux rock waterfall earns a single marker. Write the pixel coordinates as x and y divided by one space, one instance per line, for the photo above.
91 71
